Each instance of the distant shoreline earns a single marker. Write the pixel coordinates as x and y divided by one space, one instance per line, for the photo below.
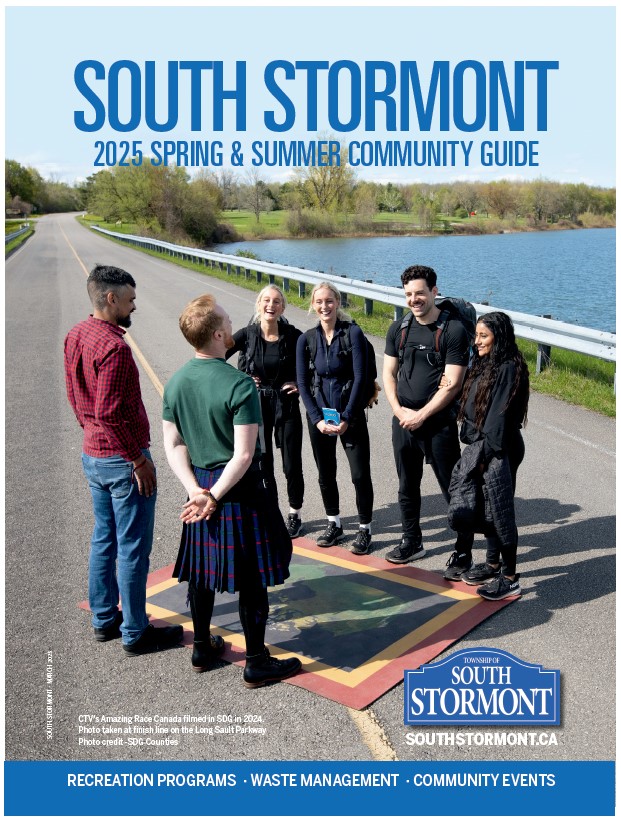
459 229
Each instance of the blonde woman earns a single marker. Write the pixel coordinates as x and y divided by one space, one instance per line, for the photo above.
267 348
331 367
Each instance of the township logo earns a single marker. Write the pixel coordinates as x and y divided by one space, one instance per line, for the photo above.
482 686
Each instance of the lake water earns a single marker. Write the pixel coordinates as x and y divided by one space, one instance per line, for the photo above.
568 274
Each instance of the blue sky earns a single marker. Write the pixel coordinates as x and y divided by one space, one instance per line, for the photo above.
44 45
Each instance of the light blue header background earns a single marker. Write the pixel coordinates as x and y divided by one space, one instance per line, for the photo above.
44 44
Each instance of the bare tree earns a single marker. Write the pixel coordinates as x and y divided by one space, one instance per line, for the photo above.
468 195
328 186
255 194
501 197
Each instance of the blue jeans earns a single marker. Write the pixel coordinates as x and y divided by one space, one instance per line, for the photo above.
120 546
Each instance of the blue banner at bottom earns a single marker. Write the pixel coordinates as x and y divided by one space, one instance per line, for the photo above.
309 788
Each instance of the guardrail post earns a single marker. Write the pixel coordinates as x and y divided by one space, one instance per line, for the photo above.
246 273
285 285
344 300
259 276
544 353
368 303
398 313
302 290
271 278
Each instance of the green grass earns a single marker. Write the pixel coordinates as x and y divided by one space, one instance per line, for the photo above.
11 225
15 243
271 225
572 377
125 227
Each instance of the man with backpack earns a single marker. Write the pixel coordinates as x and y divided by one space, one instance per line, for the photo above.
432 341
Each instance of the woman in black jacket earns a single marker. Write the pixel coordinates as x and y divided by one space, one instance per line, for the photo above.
267 348
493 409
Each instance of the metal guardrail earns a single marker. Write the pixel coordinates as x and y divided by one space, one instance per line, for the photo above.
10 236
545 332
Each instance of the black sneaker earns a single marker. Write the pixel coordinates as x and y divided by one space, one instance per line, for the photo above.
481 573
204 652
155 639
294 526
456 565
266 669
501 587
362 543
111 632
406 552
332 535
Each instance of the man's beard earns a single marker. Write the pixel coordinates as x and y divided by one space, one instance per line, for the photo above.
229 342
124 321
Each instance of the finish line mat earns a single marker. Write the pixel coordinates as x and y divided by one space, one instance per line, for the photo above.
355 622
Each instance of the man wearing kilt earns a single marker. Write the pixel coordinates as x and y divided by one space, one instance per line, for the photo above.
234 538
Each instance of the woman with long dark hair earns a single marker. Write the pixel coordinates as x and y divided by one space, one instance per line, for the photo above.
493 409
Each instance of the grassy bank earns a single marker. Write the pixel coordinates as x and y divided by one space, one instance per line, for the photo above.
572 377
12 227
282 224
314 224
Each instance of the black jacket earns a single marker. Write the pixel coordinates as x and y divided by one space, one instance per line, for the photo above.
287 340
502 424
482 502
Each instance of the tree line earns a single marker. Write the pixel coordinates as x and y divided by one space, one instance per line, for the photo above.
168 202
26 192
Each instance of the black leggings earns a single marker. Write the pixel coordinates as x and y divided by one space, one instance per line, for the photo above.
357 449
290 434
253 612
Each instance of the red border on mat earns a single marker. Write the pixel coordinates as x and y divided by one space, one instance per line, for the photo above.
391 674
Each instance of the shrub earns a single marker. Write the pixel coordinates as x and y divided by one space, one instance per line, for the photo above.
257 230
314 224
247 254
224 232
593 220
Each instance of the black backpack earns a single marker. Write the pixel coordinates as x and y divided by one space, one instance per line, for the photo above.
246 357
450 308
371 388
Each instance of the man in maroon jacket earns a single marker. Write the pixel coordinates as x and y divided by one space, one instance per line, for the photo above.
103 388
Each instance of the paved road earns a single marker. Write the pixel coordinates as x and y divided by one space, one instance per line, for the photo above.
565 508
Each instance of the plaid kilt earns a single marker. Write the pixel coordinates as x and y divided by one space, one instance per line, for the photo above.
245 536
